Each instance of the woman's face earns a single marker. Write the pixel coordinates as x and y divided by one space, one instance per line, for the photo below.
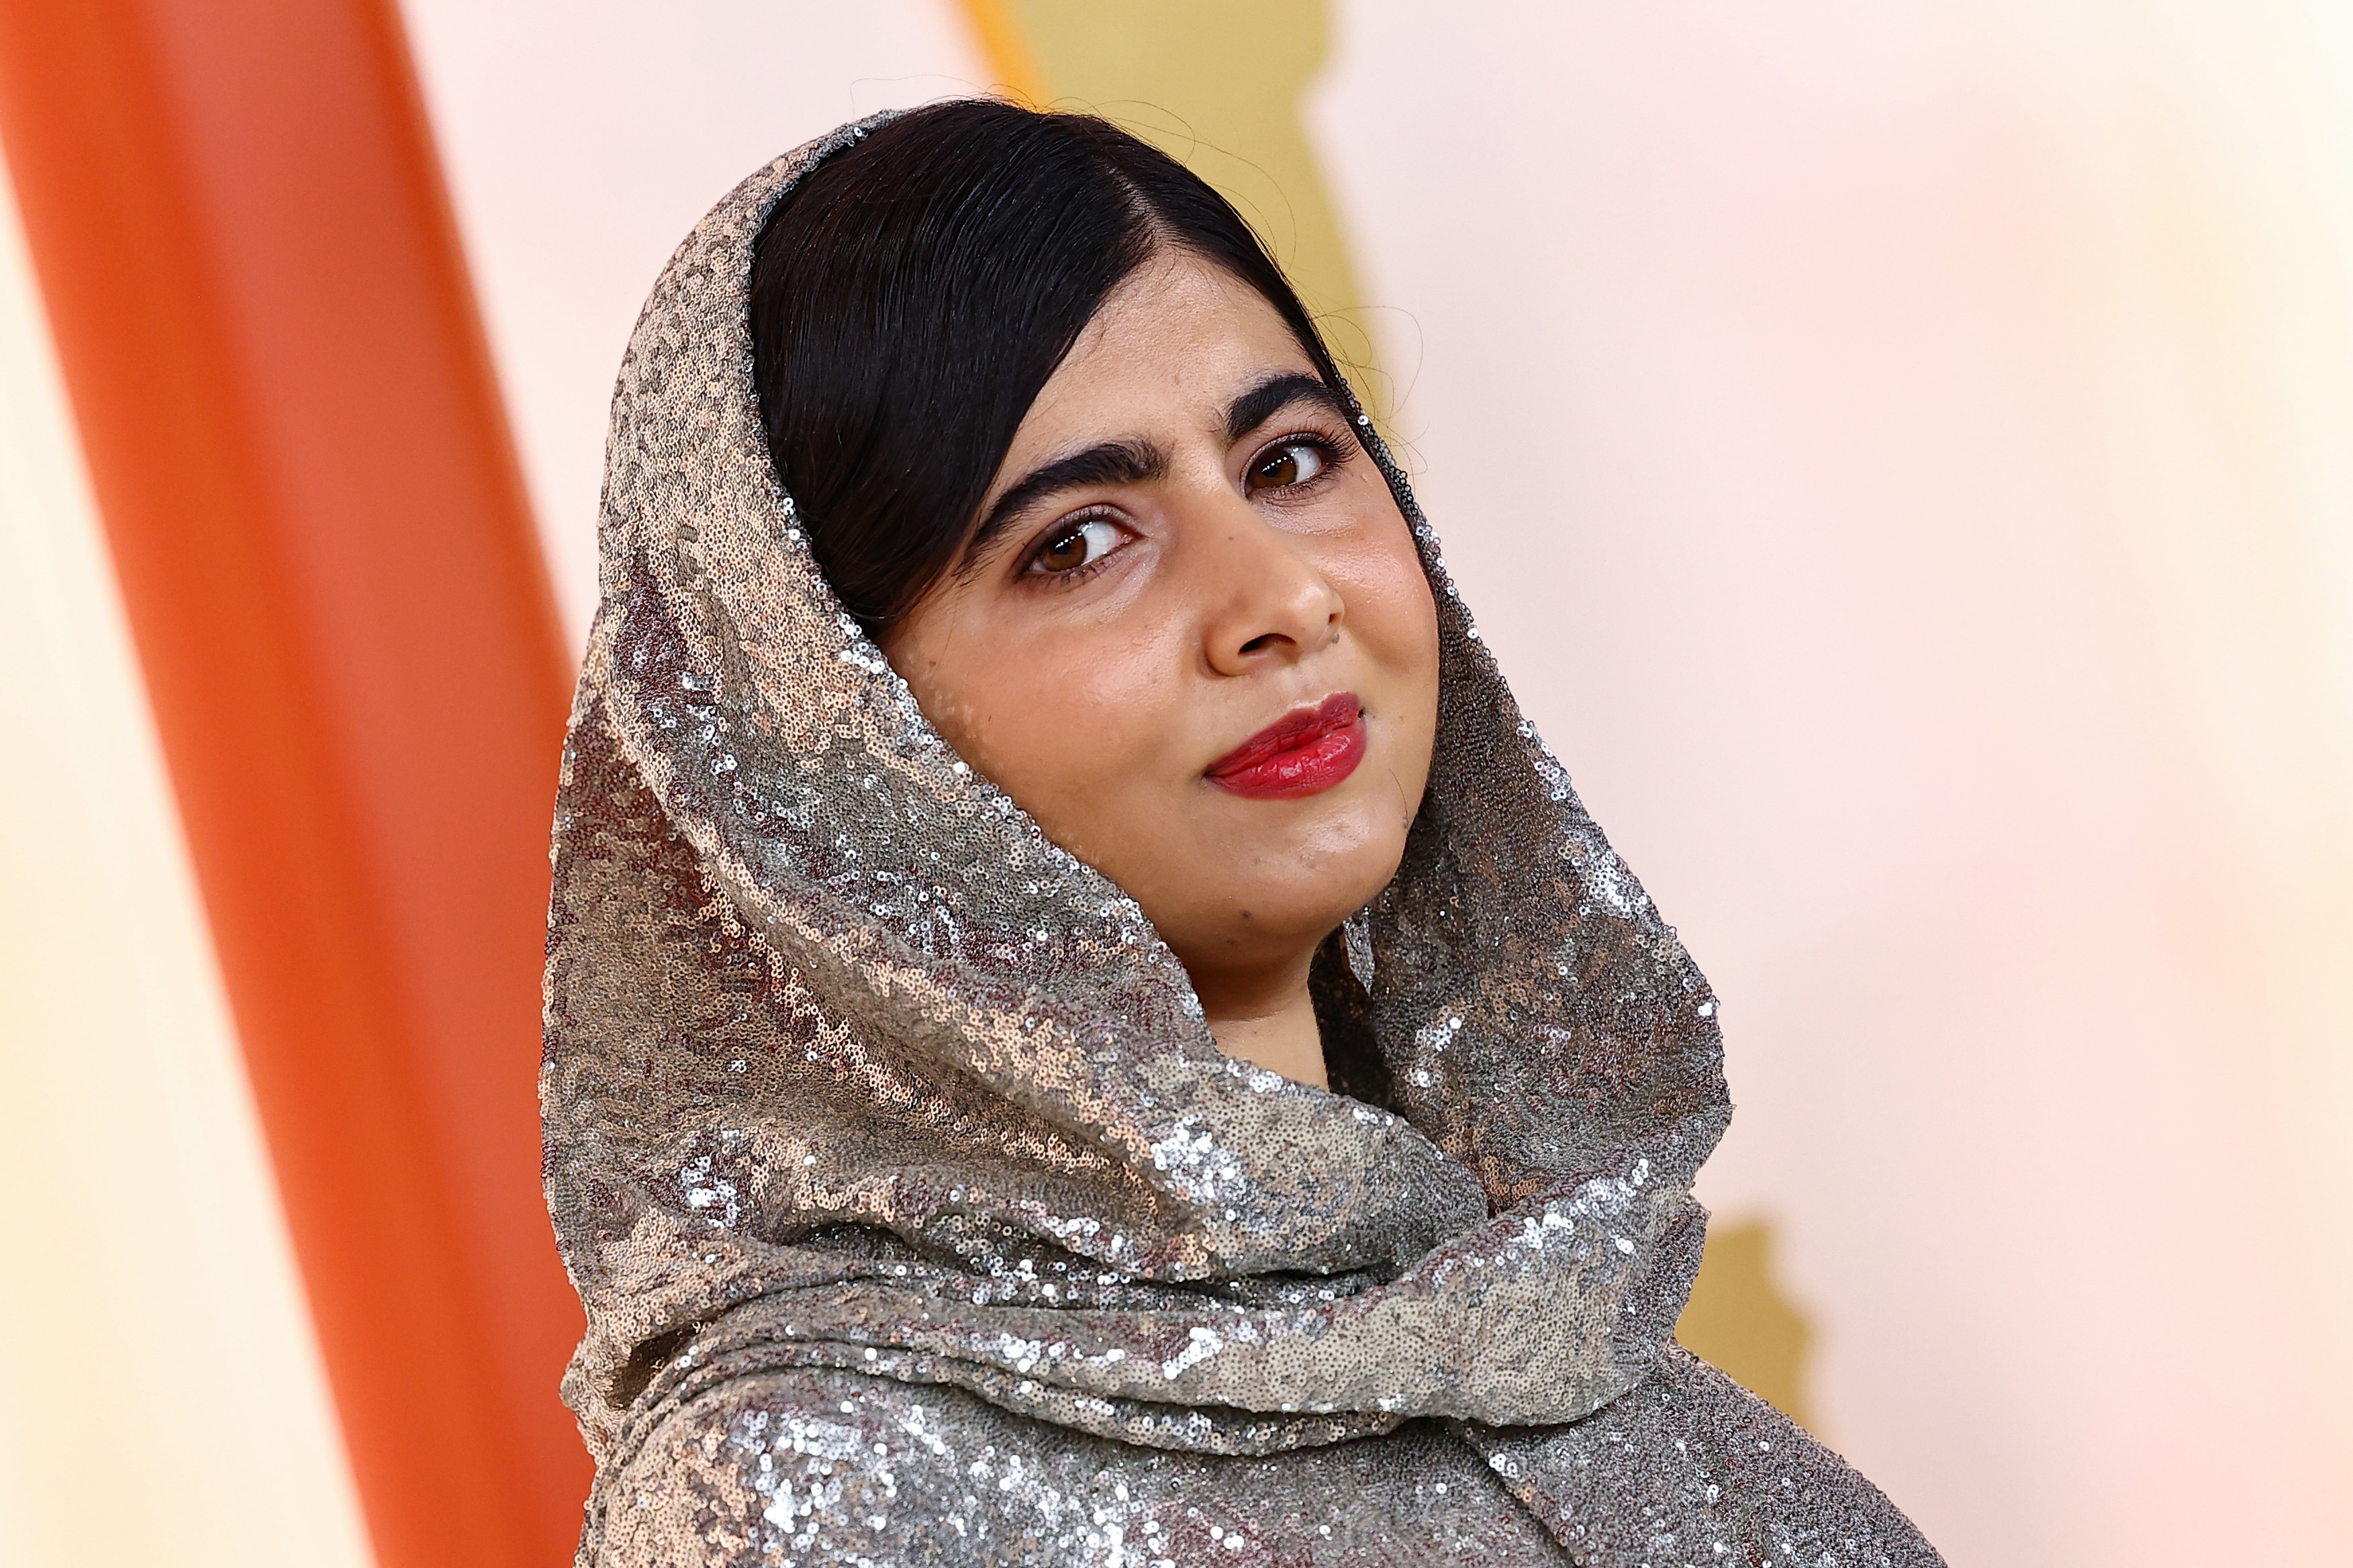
1191 637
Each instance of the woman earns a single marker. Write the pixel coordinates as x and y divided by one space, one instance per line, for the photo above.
1083 1026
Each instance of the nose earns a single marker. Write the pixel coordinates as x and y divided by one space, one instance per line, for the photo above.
1269 603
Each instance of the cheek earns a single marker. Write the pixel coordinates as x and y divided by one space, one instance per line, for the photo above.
1069 722
1390 607
1395 622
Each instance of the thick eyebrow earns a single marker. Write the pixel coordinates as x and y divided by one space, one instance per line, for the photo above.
1110 463
1271 396
1137 462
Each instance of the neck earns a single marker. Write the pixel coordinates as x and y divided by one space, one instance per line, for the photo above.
1266 1018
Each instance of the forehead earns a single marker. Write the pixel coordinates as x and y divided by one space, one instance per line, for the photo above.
1179 340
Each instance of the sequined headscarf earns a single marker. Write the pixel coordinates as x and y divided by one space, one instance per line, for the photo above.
849 1069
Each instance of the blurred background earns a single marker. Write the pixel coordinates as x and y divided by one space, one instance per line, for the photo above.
1902 454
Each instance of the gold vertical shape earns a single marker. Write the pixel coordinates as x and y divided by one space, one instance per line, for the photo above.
1739 1321
1006 47
1217 84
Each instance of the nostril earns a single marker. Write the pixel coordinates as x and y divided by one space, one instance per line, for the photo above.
1257 644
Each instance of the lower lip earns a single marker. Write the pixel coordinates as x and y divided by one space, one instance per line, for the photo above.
1305 770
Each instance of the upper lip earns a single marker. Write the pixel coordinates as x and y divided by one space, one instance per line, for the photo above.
1297 728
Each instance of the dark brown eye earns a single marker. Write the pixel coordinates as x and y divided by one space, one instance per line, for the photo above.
1292 463
1063 553
1078 544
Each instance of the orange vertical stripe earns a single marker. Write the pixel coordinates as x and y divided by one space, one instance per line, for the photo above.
298 447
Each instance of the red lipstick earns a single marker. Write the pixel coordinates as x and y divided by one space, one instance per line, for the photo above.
1304 752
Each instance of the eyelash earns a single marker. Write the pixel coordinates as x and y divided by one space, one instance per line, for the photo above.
1062 530
1327 448
1324 446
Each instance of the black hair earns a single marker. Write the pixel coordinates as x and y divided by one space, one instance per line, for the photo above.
914 293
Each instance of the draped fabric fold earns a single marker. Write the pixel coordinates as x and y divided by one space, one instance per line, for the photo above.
856 1082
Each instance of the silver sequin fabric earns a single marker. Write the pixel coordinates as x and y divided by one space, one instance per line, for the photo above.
918 1220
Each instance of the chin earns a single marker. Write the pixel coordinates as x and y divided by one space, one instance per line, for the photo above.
1358 849
1313 904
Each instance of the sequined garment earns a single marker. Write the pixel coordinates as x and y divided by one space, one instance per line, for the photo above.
917 1217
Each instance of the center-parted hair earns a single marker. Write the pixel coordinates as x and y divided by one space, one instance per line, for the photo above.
914 293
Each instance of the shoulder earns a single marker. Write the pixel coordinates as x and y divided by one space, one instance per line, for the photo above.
800 1467
1691 1454
802 1464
